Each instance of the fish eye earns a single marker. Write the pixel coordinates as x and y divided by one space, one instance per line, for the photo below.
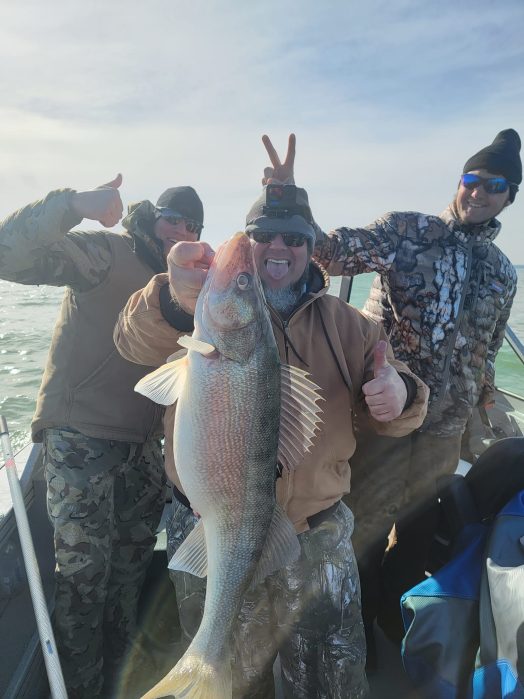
243 281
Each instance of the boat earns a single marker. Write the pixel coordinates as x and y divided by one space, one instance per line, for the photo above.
22 669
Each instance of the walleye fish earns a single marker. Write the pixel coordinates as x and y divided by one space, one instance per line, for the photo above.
239 412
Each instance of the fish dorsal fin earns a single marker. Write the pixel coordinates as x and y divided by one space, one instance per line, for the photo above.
165 384
191 557
299 415
191 343
281 547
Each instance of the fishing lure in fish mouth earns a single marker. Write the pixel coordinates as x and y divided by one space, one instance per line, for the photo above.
239 413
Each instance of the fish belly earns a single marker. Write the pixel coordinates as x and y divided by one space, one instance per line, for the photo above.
225 447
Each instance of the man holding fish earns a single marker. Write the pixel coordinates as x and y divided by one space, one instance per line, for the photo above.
443 291
276 375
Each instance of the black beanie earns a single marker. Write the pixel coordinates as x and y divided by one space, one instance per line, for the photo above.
184 201
294 216
502 157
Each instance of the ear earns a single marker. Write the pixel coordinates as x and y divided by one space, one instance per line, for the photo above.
508 203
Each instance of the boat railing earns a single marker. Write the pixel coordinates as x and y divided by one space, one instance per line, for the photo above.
515 343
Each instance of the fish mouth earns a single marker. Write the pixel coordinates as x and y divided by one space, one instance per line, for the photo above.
233 257
228 301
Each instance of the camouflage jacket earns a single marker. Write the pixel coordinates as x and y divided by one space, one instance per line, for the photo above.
86 385
444 294
37 245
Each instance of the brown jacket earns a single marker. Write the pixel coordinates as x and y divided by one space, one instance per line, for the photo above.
334 342
86 385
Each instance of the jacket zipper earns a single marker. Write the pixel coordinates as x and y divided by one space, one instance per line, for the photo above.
285 324
481 277
445 373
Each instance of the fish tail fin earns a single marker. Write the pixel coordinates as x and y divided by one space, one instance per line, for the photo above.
194 678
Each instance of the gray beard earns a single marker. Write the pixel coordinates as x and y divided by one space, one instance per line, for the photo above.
285 300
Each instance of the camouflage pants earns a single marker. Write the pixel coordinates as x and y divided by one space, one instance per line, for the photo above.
308 613
104 500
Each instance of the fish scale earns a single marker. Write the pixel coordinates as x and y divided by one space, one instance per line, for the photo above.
229 394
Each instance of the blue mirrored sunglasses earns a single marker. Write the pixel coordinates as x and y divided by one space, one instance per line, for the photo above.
492 185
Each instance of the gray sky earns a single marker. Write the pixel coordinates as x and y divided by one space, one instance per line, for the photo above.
388 100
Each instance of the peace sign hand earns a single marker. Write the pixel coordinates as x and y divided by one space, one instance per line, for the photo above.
280 173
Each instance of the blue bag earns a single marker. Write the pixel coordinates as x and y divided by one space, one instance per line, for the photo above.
465 624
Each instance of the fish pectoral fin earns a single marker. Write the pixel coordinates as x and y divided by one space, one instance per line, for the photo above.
191 557
299 415
280 549
165 384
191 343
179 354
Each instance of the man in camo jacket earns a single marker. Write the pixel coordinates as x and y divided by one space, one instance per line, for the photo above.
102 454
444 292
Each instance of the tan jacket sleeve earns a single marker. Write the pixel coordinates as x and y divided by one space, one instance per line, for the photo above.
141 334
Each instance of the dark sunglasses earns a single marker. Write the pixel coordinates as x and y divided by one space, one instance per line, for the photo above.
174 219
292 240
191 226
492 185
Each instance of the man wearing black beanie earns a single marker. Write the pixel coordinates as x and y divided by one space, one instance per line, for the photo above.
444 292
490 180
501 157
101 440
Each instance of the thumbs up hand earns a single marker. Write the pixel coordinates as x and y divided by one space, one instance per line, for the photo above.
386 393
101 204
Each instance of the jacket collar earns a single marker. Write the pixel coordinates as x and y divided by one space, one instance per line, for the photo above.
482 232
318 278
139 223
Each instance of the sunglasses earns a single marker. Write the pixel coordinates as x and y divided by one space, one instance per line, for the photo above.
174 219
292 240
492 185
191 226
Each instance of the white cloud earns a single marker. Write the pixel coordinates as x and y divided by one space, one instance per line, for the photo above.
388 100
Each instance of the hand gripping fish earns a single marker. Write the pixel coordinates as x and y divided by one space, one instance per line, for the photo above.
239 413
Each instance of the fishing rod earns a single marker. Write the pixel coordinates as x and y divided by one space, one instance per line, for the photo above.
45 631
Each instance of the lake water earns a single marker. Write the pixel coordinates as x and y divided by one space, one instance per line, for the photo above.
28 313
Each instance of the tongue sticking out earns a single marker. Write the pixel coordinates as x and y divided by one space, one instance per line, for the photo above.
277 270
